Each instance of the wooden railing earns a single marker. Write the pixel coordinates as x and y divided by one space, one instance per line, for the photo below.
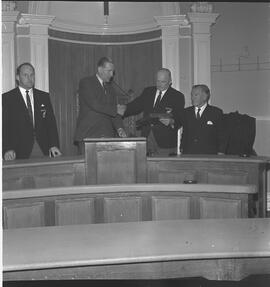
125 203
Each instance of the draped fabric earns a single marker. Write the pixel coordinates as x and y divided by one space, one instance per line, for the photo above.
135 67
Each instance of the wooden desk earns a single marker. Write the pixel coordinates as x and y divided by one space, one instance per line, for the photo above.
221 249
214 170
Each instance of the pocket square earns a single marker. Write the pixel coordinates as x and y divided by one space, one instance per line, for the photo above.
210 123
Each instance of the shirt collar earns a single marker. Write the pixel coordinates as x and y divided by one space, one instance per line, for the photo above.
162 92
100 80
202 108
23 91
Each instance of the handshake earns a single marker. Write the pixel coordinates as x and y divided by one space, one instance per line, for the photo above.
121 109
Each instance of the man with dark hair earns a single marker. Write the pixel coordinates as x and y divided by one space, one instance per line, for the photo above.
166 104
98 116
29 126
202 133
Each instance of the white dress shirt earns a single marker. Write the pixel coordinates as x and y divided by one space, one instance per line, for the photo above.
202 108
157 93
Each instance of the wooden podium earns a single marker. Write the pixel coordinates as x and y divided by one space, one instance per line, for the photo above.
115 160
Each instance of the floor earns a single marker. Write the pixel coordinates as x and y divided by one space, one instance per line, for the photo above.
252 281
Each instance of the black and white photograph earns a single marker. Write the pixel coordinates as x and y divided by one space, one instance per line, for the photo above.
135 144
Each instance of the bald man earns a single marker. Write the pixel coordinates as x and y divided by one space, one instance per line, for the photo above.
29 125
161 133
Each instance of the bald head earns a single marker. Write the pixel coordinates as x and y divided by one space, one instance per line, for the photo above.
163 79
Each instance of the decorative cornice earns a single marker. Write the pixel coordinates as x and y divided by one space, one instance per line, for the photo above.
10 16
105 39
8 5
104 29
171 20
202 17
36 19
202 7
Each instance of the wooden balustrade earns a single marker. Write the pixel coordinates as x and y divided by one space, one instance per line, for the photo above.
125 203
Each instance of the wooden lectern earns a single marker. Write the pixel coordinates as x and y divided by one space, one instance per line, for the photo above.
115 160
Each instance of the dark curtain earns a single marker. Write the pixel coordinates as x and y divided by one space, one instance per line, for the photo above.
135 67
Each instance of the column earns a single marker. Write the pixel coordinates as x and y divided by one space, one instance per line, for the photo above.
9 20
37 35
170 26
201 19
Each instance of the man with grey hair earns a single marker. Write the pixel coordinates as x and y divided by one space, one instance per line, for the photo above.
161 105
202 133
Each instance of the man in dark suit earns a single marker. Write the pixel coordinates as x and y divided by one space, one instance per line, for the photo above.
167 103
29 126
98 116
202 132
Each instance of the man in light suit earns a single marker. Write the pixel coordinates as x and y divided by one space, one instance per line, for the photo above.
202 133
29 126
98 116
162 99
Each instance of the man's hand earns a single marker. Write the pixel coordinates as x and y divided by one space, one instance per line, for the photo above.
121 132
121 109
10 155
167 121
54 152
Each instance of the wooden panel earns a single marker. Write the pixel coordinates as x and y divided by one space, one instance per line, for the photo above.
49 180
24 215
17 182
115 160
132 202
176 176
213 169
227 178
122 209
219 207
44 172
116 166
170 207
74 211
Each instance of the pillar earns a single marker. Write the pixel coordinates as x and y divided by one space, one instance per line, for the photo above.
170 27
33 29
9 20
201 20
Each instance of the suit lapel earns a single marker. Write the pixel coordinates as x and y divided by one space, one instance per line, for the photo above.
205 112
38 106
21 102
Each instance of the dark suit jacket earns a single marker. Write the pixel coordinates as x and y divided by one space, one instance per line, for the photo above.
98 113
18 133
166 136
203 136
240 132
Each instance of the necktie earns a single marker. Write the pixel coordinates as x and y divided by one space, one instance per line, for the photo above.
198 114
29 106
104 87
158 98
